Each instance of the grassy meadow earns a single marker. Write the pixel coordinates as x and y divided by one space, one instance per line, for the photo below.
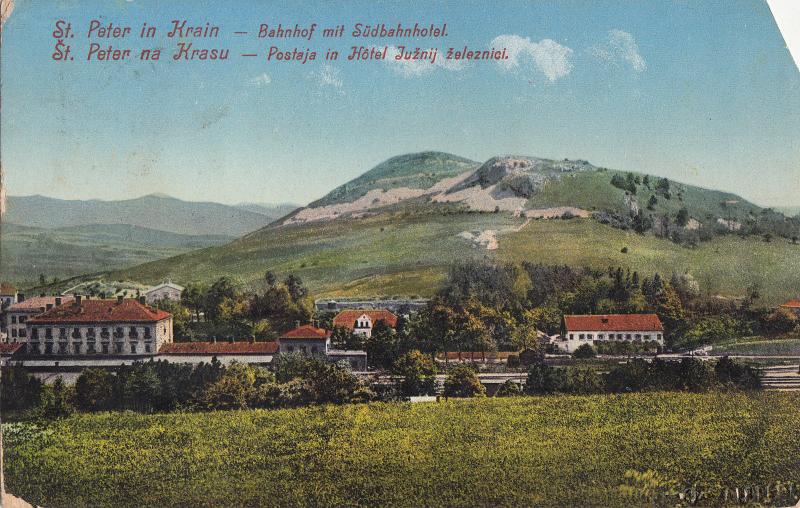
526 451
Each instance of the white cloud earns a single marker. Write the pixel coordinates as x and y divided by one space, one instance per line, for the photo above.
329 77
263 79
547 56
620 46
413 68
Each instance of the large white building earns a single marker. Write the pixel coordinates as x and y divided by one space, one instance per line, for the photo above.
164 291
590 329
99 327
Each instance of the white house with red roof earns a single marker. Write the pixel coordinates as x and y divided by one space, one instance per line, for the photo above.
305 339
588 329
310 340
362 321
82 326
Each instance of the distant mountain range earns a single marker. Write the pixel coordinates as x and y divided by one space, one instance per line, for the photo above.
154 211
64 238
396 230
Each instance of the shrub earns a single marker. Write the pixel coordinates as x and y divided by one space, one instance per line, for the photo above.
512 361
583 381
418 372
584 351
509 389
544 379
462 381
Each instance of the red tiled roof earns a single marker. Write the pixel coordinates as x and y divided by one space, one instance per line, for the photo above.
306 332
792 304
101 311
7 289
9 349
38 302
614 322
347 318
217 348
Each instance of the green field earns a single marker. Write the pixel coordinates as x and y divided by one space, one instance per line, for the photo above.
544 451
408 254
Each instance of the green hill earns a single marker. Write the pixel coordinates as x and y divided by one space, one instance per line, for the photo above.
402 238
416 171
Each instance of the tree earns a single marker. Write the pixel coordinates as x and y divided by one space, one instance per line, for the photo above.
583 381
462 381
94 390
193 298
383 346
55 401
19 390
270 279
642 223
584 351
295 286
663 187
525 335
544 379
221 290
652 202
418 373
229 392
682 219
140 386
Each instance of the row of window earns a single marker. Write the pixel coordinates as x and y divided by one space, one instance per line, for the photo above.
104 332
21 320
612 336
77 348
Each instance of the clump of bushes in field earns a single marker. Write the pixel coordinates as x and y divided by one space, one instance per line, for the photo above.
639 375
162 387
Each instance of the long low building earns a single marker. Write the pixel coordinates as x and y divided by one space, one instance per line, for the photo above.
590 329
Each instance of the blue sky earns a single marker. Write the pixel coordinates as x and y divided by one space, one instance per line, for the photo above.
704 93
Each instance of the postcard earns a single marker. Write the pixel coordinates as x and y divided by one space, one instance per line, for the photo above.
399 253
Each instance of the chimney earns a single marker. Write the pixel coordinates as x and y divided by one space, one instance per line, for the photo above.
58 301
231 340
142 300
214 339
20 297
119 299
78 299
297 324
